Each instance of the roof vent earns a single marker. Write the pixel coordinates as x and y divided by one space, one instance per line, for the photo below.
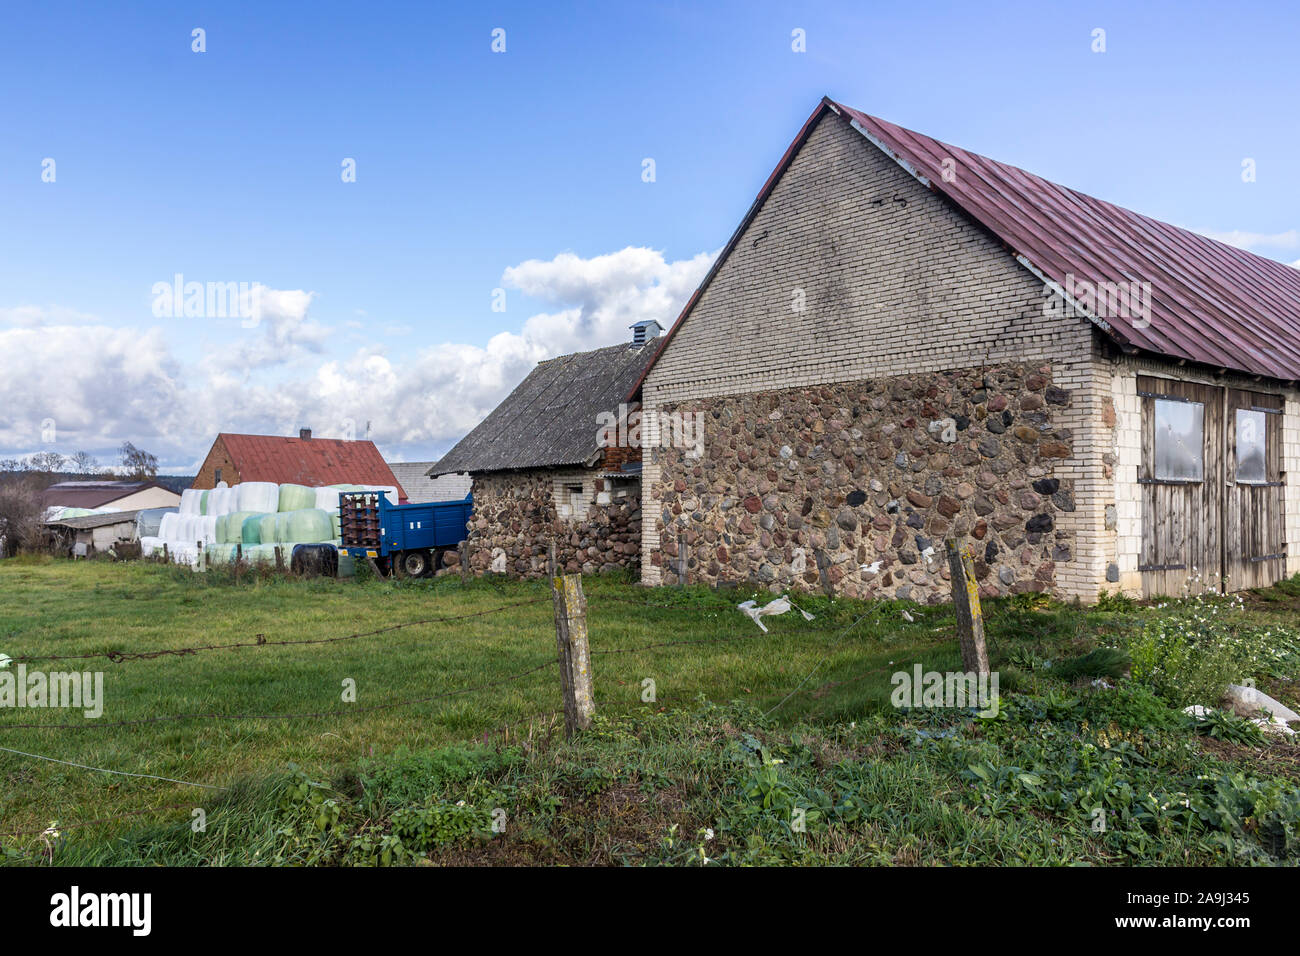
304 434
644 331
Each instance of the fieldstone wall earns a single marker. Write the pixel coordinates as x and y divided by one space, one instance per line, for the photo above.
868 476
515 521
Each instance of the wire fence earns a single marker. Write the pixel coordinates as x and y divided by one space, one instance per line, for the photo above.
538 723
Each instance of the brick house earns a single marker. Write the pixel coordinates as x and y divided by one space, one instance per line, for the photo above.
905 341
543 473
301 461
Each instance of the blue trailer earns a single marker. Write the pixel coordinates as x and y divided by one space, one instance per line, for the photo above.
407 539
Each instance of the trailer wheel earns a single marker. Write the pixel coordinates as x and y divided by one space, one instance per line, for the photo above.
416 564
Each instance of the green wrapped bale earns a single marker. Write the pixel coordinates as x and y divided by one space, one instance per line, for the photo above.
251 529
304 526
234 527
296 498
203 503
268 523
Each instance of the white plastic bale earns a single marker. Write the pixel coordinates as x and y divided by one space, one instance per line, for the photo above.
327 499
260 496
149 544
167 527
190 501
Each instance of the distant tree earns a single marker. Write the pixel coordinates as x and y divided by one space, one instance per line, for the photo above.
11 464
46 461
137 463
84 463
21 527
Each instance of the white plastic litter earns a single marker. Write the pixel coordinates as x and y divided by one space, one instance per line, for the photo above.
782 604
872 568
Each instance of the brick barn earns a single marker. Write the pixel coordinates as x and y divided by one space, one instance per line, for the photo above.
904 341
304 460
543 472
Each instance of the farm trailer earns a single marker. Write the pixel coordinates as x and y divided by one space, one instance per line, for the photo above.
411 539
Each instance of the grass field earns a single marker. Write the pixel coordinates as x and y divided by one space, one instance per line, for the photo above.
268 721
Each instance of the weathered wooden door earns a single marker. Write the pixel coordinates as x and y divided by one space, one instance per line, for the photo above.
1254 552
1182 482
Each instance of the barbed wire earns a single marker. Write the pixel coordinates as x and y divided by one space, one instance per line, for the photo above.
337 712
118 657
121 773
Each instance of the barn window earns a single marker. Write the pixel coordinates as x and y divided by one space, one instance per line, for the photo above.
218 476
1252 429
1180 440
570 501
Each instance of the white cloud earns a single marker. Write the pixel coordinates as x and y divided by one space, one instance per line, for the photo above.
104 385
1251 241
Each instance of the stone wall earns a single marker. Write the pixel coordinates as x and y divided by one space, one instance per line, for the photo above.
872 474
515 521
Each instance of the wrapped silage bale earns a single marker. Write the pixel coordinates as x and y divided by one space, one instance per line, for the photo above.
203 502
251 529
209 523
305 526
266 529
295 498
168 526
260 553
327 499
337 524
189 501
233 530
149 544
259 496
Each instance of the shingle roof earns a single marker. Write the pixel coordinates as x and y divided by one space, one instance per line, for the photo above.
1211 303
308 461
91 494
550 419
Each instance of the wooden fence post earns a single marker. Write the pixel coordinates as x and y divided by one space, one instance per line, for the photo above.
463 549
683 560
572 647
200 561
824 571
966 602
279 559
239 559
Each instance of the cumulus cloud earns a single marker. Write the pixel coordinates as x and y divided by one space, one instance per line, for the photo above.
104 385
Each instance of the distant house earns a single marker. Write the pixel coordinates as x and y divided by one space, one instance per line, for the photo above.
543 474
420 487
301 461
119 495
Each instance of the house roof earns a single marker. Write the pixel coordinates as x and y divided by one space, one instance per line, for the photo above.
308 461
550 419
92 494
414 476
1211 303
86 522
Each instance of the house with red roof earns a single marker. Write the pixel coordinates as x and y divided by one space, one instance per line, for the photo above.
905 342
301 461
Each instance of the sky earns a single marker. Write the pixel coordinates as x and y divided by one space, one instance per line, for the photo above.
416 202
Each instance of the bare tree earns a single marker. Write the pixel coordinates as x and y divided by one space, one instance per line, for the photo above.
84 463
21 526
47 461
137 463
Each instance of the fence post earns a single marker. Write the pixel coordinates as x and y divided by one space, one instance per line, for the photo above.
966 602
824 572
279 559
683 559
463 548
200 559
239 559
572 647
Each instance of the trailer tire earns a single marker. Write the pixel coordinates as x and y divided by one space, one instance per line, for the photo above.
416 564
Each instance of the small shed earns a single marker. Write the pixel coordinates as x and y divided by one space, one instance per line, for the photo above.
89 534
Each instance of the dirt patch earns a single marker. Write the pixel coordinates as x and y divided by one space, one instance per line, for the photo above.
1275 758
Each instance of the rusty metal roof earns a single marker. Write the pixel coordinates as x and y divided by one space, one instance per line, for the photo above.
1211 303
308 461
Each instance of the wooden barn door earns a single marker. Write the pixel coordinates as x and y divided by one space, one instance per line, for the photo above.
1182 482
1254 551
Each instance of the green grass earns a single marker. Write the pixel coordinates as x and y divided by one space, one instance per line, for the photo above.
647 768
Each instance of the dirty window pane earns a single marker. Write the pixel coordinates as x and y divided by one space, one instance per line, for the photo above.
1179 442
1252 428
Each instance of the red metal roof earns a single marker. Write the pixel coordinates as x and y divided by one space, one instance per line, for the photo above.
308 461
92 494
1211 303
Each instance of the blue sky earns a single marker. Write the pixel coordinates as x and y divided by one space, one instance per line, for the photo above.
475 170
